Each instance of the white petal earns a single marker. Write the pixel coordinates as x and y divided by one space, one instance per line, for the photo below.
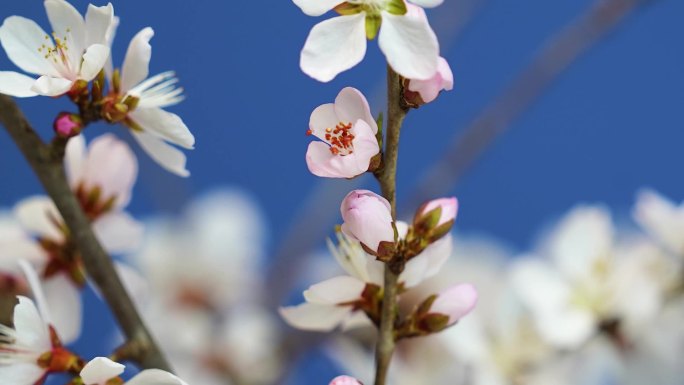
94 60
351 105
21 373
164 125
99 25
37 289
52 86
16 84
335 291
309 316
74 160
428 263
661 218
21 38
30 327
409 44
118 232
539 286
67 22
111 166
64 301
100 370
567 329
427 3
333 46
136 64
38 214
164 154
316 7
155 377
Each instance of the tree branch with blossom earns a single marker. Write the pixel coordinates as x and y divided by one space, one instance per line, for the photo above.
46 160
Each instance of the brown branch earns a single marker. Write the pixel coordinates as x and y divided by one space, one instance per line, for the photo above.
560 51
46 160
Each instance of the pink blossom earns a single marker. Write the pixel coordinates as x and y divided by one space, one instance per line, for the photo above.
449 209
428 89
347 130
367 218
345 380
455 302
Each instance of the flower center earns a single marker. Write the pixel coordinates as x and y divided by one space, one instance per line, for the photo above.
58 52
340 139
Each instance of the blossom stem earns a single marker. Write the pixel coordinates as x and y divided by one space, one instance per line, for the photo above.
46 160
387 177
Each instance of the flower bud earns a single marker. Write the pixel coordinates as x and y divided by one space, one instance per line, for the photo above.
419 92
435 218
67 125
345 380
368 219
441 311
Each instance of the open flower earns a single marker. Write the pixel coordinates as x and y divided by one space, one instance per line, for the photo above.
338 44
347 130
419 92
76 50
367 218
138 101
101 370
338 300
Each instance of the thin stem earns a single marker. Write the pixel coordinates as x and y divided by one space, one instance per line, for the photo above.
46 160
387 177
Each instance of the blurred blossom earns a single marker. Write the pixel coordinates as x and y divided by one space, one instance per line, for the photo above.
661 218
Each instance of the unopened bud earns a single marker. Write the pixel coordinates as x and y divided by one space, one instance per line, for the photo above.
419 92
67 125
441 311
435 218
345 380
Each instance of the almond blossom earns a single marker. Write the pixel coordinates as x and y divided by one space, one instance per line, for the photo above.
102 177
336 301
102 371
347 130
76 50
368 219
662 219
419 92
138 102
338 44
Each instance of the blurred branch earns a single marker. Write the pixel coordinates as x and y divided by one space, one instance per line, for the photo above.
560 51
46 160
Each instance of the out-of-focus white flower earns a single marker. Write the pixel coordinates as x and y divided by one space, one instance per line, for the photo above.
662 219
588 282
101 370
146 99
337 44
77 49
335 301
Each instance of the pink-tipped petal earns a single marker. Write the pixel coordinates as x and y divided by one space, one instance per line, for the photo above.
455 302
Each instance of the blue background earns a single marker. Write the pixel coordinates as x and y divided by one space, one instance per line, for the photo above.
611 124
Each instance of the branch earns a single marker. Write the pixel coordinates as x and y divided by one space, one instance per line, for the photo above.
560 51
387 177
46 160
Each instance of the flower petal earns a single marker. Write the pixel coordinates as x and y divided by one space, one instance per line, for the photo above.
38 214
100 370
21 38
136 64
52 86
333 46
155 377
428 263
409 44
167 156
16 84
111 166
118 232
310 316
31 330
316 7
99 24
63 299
75 160
164 125
94 60
455 302
351 105
324 116
67 25
335 291
427 3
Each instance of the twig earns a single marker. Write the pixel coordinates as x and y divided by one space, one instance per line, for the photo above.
46 160
560 51
387 177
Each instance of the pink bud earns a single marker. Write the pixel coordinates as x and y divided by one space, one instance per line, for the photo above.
67 125
449 209
345 380
429 89
455 302
367 218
